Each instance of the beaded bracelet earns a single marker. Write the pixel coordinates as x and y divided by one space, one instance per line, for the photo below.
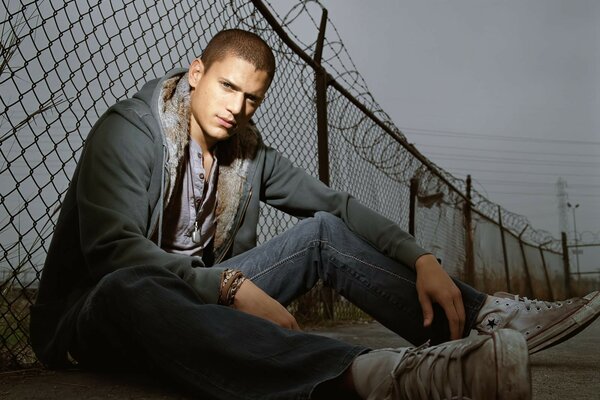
235 285
231 280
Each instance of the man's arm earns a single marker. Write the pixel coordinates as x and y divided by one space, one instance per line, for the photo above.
295 192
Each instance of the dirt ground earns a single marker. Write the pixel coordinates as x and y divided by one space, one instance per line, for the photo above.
568 371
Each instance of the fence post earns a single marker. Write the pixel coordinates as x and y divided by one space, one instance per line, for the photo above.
527 275
412 210
469 272
546 269
565 249
321 103
327 294
506 271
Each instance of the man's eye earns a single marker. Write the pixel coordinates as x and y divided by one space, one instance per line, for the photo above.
226 85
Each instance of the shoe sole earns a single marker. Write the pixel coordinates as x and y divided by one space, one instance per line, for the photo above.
513 376
574 323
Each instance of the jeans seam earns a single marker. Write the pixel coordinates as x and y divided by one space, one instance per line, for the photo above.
328 244
374 291
367 263
311 244
272 267
474 309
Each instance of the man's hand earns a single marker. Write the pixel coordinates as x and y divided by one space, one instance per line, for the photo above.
434 285
253 300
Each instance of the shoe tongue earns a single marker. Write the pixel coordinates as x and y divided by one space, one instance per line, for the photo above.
504 295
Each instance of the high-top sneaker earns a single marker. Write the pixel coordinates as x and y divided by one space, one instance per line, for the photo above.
494 367
544 324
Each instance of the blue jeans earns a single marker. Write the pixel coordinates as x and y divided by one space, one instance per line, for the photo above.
145 317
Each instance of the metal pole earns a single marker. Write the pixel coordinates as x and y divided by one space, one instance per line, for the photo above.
576 240
323 141
527 275
321 38
574 207
567 267
469 253
506 271
546 269
322 129
321 92
414 191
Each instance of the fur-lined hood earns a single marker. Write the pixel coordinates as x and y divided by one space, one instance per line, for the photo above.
235 156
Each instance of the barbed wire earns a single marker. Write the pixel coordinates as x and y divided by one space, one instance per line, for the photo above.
371 141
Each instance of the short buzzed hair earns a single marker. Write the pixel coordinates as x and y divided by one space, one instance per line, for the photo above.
243 44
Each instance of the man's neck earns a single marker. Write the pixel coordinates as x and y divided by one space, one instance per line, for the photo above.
207 153
207 161
200 139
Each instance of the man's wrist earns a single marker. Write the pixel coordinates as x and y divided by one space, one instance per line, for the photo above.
231 281
425 259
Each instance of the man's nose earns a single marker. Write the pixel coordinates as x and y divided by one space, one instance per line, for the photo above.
236 104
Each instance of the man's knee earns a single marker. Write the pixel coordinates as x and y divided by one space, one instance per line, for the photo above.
328 219
329 224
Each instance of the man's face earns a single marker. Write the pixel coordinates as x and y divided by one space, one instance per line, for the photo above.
224 98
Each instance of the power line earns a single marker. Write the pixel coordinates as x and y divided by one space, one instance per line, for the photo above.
495 171
434 132
507 150
581 164
522 183
542 194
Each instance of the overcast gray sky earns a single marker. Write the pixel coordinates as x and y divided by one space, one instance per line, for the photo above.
496 89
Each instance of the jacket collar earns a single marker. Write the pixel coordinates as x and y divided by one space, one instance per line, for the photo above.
235 155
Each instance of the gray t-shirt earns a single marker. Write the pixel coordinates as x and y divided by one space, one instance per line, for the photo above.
193 207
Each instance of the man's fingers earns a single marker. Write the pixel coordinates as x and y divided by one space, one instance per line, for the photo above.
427 310
453 319
460 308
288 321
253 300
295 325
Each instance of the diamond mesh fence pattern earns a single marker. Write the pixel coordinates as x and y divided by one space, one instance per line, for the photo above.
62 64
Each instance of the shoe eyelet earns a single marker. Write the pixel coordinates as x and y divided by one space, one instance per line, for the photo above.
538 327
528 308
527 333
538 308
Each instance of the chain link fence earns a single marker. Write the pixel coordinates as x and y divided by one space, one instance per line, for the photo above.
62 64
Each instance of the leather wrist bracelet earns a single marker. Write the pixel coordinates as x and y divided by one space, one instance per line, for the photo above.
231 280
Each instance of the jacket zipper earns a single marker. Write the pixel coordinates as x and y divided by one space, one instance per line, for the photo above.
161 198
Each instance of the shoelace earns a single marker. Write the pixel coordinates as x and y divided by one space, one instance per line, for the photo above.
437 386
537 303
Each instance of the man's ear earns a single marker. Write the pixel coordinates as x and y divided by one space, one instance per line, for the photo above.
195 72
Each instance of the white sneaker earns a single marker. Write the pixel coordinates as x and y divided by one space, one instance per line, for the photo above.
494 367
544 324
